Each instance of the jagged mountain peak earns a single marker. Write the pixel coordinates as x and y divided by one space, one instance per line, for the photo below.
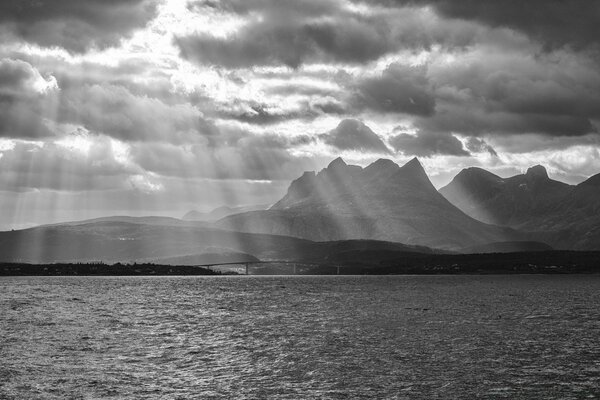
337 163
338 169
414 172
414 163
413 166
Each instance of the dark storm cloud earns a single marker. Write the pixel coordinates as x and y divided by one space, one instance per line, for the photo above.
552 22
352 134
75 25
427 144
25 97
399 89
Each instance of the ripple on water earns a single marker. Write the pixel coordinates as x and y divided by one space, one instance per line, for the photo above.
300 337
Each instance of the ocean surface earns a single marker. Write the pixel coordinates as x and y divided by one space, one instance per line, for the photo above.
295 337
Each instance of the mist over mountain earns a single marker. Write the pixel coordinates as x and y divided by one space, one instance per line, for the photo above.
382 201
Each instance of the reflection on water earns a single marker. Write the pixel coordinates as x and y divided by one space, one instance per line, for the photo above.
300 337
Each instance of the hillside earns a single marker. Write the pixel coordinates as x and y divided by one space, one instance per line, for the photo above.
112 242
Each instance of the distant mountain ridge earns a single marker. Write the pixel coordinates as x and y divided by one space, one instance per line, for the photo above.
382 201
221 212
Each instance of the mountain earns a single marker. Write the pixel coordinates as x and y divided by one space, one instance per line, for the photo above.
113 241
504 201
382 202
221 212
575 218
564 216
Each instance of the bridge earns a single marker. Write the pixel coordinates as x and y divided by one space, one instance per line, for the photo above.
295 264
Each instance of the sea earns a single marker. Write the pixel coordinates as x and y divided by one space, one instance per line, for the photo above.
300 337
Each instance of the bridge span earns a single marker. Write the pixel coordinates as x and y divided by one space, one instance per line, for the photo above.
295 264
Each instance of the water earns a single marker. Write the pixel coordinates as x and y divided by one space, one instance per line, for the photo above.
401 337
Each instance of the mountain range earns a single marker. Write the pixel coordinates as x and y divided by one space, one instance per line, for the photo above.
343 212
382 201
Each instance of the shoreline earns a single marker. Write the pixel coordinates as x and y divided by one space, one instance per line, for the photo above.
548 263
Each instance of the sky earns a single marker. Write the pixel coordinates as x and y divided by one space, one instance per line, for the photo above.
157 107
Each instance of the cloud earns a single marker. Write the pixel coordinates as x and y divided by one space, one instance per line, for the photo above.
351 134
75 25
290 43
478 145
293 33
19 78
129 101
554 23
399 89
528 143
482 92
115 111
26 97
55 165
258 113
427 144
238 155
